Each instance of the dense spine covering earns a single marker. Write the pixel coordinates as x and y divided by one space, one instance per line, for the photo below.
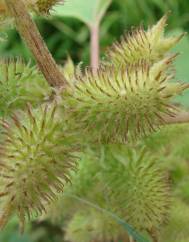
129 183
150 45
110 105
143 199
36 159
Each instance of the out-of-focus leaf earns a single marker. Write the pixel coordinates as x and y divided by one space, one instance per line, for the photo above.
182 66
90 12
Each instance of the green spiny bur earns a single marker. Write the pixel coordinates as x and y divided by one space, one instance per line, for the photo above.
146 199
129 97
150 45
111 105
36 159
126 182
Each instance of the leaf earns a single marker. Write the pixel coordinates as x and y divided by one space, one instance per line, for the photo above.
89 12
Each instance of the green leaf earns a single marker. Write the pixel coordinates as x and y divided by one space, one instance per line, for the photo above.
89 12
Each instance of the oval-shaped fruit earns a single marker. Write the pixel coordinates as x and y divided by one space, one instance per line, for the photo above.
36 159
113 104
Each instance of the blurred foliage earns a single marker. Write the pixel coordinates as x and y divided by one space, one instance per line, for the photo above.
181 65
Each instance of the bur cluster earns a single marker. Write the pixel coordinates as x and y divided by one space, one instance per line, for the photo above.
104 118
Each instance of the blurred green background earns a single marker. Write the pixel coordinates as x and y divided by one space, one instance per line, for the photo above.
69 36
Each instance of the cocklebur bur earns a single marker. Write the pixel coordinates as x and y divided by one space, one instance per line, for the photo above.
113 105
150 45
36 159
118 106
139 195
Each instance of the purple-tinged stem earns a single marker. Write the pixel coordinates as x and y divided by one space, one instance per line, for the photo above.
94 48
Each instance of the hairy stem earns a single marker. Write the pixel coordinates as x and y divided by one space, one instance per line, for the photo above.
94 52
30 34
